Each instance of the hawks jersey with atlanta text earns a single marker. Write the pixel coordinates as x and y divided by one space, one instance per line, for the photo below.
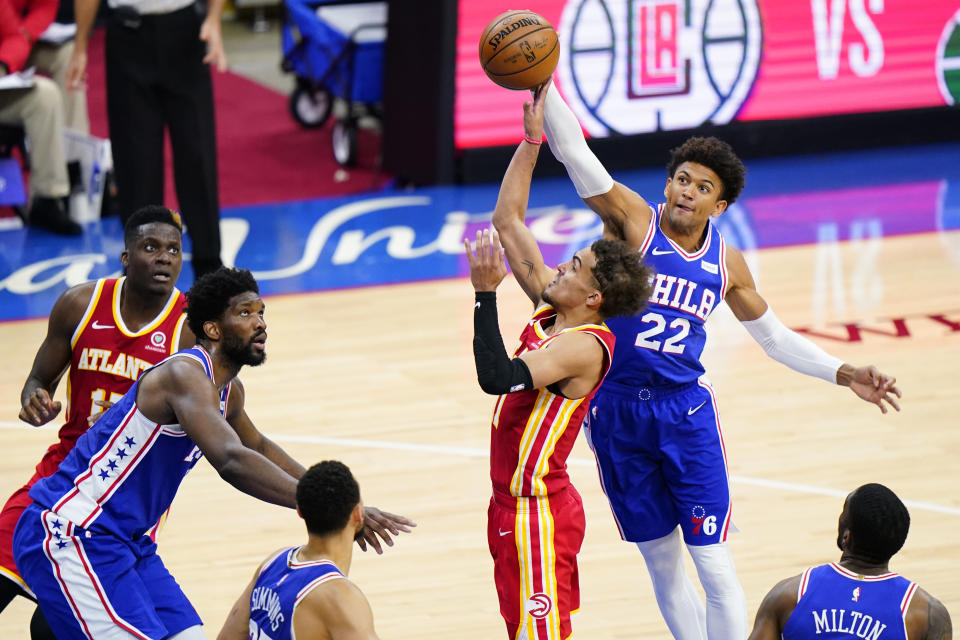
662 344
107 357
534 430
283 582
833 603
124 472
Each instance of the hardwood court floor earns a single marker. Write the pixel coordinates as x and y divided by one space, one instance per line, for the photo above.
382 378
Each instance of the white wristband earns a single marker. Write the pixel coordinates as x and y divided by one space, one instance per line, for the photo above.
790 348
569 147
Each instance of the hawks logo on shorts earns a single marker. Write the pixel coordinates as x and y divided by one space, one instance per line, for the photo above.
539 605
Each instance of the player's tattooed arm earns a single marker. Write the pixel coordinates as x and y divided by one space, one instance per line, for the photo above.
530 266
938 621
927 618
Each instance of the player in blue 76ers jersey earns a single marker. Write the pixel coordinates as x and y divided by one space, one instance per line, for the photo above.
80 545
653 424
858 597
303 592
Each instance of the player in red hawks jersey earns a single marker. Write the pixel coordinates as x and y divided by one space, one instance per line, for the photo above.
535 520
107 331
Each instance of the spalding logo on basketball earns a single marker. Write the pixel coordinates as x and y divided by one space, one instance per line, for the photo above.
636 66
518 50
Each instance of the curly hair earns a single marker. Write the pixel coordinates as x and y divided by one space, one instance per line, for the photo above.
147 215
879 522
717 155
210 295
326 494
624 280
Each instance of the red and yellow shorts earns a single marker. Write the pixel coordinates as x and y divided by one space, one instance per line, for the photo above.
534 542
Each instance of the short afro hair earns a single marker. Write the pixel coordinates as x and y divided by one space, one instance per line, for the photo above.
879 522
210 295
326 495
624 280
717 155
147 215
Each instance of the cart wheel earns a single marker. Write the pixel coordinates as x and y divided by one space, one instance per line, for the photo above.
345 142
310 107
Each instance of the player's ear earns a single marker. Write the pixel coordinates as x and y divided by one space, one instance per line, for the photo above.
594 300
357 516
298 512
125 259
211 330
667 187
719 208
845 539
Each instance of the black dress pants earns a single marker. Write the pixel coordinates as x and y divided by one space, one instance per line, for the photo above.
156 80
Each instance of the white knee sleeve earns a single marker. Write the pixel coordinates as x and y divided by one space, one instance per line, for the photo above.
678 600
726 604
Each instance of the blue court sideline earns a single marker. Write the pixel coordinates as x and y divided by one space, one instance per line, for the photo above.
399 236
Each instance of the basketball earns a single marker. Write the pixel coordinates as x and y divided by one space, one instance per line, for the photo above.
519 50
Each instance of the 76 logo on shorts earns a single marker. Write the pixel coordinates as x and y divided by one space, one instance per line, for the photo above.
701 520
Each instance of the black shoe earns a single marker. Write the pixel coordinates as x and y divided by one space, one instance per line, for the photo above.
51 214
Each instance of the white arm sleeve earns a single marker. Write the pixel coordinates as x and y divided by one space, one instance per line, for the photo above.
790 348
569 147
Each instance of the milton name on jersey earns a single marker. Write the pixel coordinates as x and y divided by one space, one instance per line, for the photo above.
855 623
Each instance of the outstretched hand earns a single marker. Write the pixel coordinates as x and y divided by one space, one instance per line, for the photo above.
533 112
875 387
487 265
380 523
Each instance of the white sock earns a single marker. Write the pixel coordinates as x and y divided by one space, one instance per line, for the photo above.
726 604
678 600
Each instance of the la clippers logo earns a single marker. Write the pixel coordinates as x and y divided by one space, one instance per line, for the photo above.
539 605
636 66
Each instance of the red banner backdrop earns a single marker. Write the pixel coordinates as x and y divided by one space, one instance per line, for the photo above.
636 66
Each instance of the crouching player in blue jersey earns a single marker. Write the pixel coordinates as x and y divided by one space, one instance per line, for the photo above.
81 546
303 592
858 596
653 424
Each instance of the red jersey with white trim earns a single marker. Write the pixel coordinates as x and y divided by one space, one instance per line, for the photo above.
534 431
108 357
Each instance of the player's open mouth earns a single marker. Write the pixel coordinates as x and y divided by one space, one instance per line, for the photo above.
161 276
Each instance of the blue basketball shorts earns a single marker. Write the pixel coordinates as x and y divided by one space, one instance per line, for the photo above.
91 584
661 460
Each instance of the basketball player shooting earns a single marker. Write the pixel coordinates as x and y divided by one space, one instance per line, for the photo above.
535 521
675 488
